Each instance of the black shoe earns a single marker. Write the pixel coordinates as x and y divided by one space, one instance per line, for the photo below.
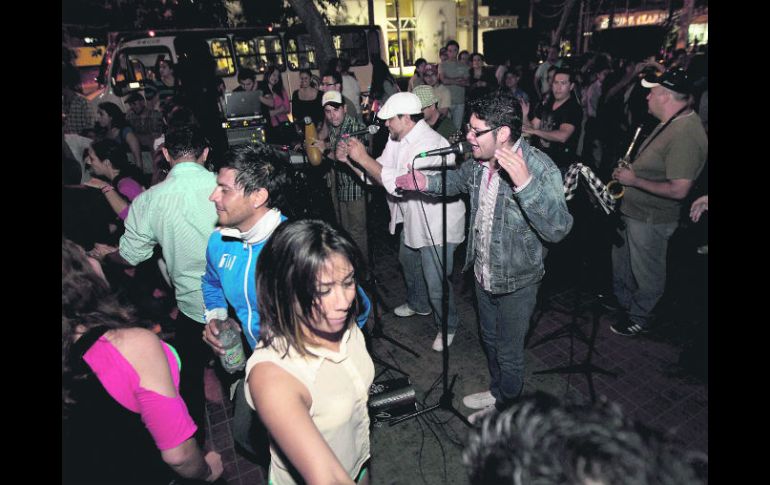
609 302
627 328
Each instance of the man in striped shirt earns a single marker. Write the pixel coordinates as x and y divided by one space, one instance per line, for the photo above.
348 188
177 215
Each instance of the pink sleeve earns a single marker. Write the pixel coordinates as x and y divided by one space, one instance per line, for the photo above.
130 189
166 418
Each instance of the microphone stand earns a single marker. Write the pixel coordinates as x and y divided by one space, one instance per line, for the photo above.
445 401
377 329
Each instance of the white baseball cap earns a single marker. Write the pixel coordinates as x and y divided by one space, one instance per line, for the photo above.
400 104
332 97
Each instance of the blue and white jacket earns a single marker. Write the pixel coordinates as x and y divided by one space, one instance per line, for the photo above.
231 261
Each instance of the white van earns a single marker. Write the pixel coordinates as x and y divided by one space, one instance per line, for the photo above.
131 57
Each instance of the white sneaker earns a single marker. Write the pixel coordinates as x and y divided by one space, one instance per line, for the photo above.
438 345
478 416
405 311
479 400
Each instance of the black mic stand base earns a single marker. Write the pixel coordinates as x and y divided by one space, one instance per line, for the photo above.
444 403
447 396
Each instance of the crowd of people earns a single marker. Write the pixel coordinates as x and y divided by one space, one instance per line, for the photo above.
158 252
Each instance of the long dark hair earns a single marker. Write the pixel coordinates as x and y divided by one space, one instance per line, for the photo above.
115 152
118 118
287 277
87 300
278 88
380 74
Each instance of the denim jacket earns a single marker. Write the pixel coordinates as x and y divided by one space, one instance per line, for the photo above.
522 221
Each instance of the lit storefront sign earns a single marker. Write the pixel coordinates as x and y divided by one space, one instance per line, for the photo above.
631 19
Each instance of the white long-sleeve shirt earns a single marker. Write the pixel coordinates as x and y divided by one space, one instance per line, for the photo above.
407 207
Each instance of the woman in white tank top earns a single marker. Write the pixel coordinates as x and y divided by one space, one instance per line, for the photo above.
310 374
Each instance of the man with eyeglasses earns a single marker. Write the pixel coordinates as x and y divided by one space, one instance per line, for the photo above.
430 76
420 252
517 204
332 81
556 123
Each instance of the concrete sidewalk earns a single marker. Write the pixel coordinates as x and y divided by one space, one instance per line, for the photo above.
649 384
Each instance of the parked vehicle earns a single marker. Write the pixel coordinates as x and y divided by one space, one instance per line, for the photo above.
131 57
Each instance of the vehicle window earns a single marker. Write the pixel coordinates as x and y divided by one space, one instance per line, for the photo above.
134 67
259 52
300 52
352 45
220 51
245 53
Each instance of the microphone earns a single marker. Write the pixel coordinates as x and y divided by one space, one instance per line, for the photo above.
371 129
459 148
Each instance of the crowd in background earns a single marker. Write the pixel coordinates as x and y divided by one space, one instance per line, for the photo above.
114 165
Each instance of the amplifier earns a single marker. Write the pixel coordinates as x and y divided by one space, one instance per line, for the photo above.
246 130
391 399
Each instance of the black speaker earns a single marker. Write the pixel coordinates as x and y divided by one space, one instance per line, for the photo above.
635 43
520 45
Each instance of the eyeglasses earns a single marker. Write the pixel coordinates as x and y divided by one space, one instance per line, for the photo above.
476 133
328 84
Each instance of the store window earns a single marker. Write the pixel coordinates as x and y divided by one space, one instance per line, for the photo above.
407 47
405 22
405 8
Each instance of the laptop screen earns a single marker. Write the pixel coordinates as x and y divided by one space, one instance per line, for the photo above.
242 103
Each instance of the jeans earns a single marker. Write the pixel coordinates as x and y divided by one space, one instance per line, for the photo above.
422 272
248 430
194 354
504 321
456 112
639 267
352 218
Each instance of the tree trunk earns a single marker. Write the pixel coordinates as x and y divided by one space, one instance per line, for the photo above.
684 24
319 32
563 22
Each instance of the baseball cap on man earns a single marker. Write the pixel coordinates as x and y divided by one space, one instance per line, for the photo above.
400 104
675 80
426 95
332 97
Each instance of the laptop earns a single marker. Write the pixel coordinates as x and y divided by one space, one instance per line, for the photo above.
239 104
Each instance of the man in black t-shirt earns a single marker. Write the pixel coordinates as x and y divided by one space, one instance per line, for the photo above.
556 124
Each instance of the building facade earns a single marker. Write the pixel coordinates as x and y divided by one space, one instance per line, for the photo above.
419 28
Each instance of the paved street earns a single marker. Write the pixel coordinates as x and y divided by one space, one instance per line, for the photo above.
649 384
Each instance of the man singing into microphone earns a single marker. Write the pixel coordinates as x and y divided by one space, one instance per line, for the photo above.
420 252
513 211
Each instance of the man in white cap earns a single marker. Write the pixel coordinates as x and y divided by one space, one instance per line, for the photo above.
420 252
347 187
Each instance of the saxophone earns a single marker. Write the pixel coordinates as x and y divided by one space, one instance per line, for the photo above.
615 188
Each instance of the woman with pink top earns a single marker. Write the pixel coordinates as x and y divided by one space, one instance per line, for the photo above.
276 104
123 420
113 175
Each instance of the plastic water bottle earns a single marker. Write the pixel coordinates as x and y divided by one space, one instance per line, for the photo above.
313 153
234 358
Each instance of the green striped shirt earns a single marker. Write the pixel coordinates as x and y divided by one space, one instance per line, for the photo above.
349 185
176 214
